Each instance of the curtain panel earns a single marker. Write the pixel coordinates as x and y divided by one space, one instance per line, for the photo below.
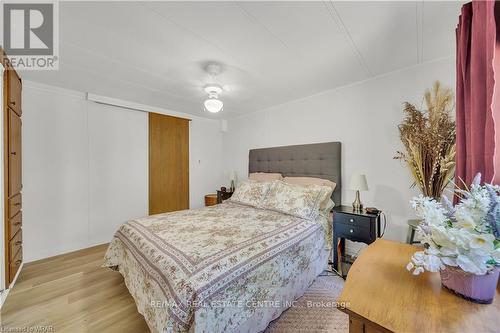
476 42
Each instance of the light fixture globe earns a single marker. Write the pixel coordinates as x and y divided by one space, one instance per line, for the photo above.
213 105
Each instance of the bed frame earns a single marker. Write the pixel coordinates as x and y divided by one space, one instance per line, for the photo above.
320 160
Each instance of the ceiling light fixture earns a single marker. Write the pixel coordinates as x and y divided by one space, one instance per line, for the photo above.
213 104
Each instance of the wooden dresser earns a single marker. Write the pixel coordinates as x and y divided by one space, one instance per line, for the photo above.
12 111
382 296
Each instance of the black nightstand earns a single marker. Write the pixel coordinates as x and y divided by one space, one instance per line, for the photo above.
221 196
352 225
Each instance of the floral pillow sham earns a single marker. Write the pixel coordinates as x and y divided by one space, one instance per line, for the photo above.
296 200
250 193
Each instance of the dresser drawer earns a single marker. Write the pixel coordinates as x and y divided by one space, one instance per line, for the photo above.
15 204
15 263
356 220
16 242
353 232
15 224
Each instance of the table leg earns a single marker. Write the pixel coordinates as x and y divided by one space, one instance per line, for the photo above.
410 235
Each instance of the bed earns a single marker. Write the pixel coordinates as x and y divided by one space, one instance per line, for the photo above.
230 267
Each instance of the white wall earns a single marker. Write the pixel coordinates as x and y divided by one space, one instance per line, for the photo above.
85 169
364 117
206 161
55 173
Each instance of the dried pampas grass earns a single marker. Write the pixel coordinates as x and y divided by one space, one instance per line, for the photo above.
429 140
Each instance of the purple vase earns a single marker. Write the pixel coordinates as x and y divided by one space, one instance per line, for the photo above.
475 288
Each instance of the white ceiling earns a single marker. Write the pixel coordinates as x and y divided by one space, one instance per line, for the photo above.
272 52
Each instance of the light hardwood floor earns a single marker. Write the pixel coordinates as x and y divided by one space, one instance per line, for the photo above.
72 293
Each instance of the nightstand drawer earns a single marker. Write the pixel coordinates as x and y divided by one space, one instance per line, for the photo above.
353 232
356 220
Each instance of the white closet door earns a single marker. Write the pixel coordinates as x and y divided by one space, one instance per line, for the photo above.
118 169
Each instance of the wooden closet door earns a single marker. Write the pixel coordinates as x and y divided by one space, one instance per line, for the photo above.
13 217
15 172
168 163
14 95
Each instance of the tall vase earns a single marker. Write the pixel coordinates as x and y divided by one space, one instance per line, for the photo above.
475 288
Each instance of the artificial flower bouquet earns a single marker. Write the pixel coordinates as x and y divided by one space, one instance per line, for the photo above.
461 241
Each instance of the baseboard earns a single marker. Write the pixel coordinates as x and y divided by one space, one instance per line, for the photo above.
5 293
41 260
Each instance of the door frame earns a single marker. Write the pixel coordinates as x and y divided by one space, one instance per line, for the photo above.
3 259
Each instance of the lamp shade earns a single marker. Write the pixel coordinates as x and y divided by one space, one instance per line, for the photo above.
358 183
213 105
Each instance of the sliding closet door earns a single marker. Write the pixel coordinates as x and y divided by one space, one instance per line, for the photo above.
168 163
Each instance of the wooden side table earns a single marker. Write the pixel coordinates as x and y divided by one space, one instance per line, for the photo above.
380 295
210 200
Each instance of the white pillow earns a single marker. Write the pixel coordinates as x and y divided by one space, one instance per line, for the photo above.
296 200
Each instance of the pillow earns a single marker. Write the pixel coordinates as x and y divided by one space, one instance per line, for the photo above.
296 200
326 209
310 181
250 192
306 181
265 177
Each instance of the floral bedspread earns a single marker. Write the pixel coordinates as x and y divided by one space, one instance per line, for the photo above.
210 269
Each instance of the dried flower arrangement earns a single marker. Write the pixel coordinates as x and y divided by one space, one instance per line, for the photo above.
429 140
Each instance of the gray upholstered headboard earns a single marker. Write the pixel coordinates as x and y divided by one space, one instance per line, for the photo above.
320 160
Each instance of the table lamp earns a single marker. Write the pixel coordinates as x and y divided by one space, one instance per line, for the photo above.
358 183
232 178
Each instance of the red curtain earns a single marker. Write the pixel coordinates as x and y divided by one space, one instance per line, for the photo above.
476 38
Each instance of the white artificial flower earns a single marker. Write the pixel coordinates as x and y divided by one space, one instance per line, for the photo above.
464 219
418 258
461 236
482 242
472 264
449 261
449 256
410 266
433 263
441 236
474 207
418 270
429 210
496 255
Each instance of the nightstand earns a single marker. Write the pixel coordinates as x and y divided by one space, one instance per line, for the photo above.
210 200
355 226
221 196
